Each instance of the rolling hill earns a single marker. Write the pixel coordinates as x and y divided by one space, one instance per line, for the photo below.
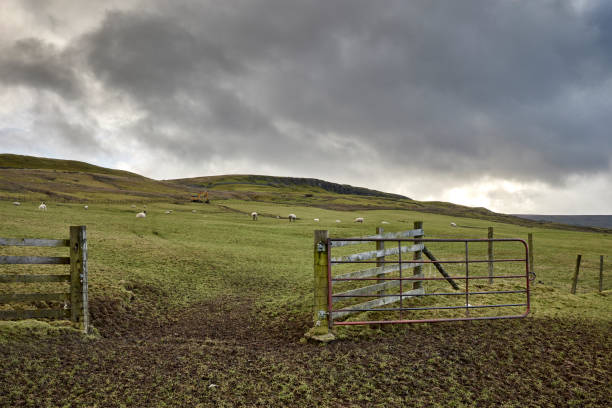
27 178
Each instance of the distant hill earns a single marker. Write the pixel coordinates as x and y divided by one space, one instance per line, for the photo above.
601 221
27 178
246 182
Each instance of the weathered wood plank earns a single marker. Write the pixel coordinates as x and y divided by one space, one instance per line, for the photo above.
78 277
33 278
30 314
382 270
31 297
362 256
389 235
376 303
34 260
34 242
368 290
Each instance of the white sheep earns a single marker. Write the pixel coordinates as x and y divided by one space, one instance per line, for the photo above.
292 217
42 206
168 211
453 224
384 222
16 203
142 214
133 206
254 215
338 221
316 220
193 211
85 206
359 220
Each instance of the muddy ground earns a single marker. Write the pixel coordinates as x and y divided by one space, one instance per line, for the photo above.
223 353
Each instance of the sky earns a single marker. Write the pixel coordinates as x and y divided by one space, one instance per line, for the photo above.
504 104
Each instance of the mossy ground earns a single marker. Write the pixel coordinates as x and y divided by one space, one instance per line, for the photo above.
208 308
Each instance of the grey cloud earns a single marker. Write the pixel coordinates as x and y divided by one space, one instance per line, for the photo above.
33 63
457 90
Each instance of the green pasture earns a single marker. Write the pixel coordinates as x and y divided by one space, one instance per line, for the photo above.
174 260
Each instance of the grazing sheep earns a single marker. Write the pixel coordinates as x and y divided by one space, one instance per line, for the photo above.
292 217
168 211
16 203
42 206
133 205
193 211
384 222
316 220
142 214
85 206
254 215
338 221
453 224
359 220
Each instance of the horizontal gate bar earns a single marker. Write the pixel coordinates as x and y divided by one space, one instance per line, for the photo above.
367 291
33 278
28 297
373 303
35 260
441 278
457 319
397 309
379 253
389 235
36 242
381 270
338 261
342 295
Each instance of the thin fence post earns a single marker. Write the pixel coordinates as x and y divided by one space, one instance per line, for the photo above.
322 321
601 259
380 261
79 310
418 255
575 277
530 246
490 253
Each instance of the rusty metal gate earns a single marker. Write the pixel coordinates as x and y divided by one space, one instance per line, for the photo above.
407 289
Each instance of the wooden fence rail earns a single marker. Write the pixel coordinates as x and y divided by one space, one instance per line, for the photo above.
75 301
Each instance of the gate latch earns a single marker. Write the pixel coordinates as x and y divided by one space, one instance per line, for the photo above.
320 247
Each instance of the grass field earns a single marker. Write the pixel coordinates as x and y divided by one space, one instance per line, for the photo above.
209 309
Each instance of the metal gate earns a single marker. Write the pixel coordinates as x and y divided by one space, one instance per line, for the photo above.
411 290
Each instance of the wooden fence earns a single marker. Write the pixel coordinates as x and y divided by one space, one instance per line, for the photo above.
75 301
322 296
577 271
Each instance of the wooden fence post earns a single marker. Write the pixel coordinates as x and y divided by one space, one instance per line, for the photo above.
380 261
490 253
601 257
322 322
79 310
575 278
418 255
530 246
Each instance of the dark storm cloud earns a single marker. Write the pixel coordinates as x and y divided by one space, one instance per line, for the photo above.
516 90
33 63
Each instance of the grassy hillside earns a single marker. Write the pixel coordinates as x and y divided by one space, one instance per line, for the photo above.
207 308
26 178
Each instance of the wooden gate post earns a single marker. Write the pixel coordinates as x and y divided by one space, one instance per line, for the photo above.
418 255
380 260
322 322
575 277
79 310
601 257
490 253
530 246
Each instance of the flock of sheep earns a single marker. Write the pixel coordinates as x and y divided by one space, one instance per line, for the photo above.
254 214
